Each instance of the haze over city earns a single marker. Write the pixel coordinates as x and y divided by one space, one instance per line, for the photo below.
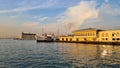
34 16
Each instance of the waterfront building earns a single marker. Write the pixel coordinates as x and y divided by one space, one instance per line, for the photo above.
93 35
27 36
109 36
90 34
66 38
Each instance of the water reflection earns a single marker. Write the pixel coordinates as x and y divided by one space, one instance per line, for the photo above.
84 55
26 54
107 50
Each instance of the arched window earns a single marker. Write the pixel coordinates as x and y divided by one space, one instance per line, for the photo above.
117 34
66 39
70 39
118 39
62 39
88 34
102 34
106 35
113 34
77 39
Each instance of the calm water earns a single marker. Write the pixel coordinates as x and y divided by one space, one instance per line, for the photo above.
29 54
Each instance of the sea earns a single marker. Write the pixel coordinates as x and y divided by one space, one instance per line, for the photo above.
30 54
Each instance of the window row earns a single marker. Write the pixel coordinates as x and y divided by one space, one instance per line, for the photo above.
104 38
66 39
104 34
116 34
85 34
113 34
116 39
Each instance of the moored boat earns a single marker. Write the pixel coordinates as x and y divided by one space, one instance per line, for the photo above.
45 38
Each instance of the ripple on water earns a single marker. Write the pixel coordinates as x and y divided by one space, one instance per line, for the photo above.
29 54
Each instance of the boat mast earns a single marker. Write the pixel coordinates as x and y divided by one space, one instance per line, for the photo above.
42 29
58 31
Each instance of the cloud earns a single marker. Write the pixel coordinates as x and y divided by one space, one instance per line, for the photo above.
21 9
106 1
43 19
75 16
108 18
27 5
86 15
109 9
47 4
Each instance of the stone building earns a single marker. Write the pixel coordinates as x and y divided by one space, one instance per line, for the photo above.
28 36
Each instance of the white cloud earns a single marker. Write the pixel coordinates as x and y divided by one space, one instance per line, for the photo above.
47 4
43 19
76 15
86 13
20 9
108 18
106 1
107 9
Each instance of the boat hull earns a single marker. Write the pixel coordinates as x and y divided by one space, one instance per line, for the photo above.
45 41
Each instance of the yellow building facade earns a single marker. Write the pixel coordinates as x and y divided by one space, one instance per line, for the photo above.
89 34
109 36
86 35
93 35
66 38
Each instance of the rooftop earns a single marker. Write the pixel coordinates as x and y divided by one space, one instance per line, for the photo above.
28 33
89 29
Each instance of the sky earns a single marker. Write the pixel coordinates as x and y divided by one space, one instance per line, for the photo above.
57 16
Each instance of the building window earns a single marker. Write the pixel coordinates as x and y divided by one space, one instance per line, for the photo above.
84 38
77 39
118 39
102 34
94 39
113 39
66 39
70 39
88 34
106 35
113 34
102 38
80 34
117 34
85 34
93 34
62 39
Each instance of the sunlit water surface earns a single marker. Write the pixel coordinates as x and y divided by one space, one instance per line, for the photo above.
29 54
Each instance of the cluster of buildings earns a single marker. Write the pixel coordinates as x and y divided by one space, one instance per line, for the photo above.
32 36
84 35
92 35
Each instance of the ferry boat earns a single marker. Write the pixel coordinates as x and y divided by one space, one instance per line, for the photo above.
45 38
